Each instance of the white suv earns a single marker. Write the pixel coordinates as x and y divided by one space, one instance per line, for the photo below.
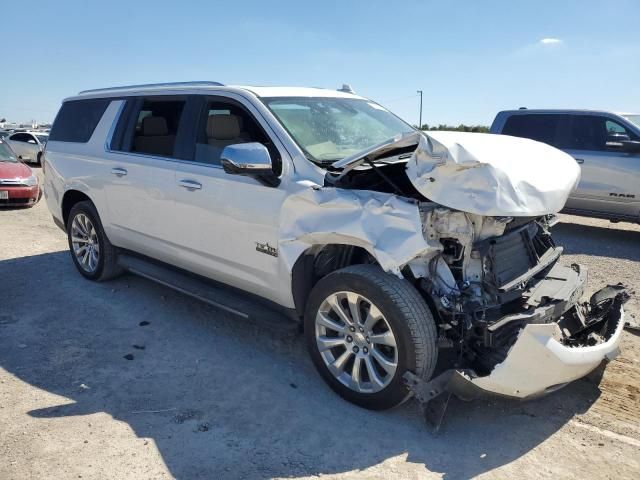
386 244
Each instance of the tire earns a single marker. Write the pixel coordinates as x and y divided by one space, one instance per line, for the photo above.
105 266
402 310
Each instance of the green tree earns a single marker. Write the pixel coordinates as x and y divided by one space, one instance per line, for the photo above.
460 128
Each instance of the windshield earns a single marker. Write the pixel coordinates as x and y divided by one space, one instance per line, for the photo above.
330 129
6 154
43 138
635 119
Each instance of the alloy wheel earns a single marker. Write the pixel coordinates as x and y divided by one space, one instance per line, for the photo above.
356 342
84 241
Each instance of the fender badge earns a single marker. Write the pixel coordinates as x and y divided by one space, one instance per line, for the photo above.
266 248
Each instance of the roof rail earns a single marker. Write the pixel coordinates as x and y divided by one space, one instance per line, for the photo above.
152 85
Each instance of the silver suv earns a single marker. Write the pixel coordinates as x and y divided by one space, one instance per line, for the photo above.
605 144
385 244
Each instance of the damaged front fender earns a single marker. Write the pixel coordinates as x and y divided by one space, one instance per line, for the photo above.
387 226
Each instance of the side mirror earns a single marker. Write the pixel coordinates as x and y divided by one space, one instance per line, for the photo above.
630 146
251 160
614 140
33 142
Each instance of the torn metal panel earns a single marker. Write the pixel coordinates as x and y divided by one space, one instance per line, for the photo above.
387 226
493 175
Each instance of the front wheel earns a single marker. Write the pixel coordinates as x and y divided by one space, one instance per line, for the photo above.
366 328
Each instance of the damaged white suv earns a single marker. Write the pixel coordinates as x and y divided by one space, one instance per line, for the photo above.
389 245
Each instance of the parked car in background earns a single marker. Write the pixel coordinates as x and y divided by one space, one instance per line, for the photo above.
605 144
28 145
19 186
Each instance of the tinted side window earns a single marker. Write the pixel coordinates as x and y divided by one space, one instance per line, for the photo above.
592 132
20 137
540 127
77 120
153 127
588 132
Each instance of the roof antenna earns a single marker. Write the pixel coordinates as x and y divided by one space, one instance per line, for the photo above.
346 88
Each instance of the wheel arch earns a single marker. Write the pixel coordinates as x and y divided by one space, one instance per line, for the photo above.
69 199
309 269
317 262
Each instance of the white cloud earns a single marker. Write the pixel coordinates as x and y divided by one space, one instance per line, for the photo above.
550 41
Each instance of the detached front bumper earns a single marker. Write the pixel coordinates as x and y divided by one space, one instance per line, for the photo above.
558 342
538 363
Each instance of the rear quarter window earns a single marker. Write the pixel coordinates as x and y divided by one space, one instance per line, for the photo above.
77 120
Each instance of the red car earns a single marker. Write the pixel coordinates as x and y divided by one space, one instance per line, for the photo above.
19 186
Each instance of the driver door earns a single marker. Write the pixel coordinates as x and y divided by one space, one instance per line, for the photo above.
223 222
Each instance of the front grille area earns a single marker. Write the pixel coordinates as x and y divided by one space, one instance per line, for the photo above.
13 183
513 254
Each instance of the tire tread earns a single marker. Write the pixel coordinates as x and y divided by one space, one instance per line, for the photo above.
110 267
411 311
415 310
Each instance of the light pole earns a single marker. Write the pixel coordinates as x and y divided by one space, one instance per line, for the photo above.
420 122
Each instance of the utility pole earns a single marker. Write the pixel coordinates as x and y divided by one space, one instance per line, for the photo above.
420 122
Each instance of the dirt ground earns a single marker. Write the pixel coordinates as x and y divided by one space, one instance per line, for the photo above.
209 395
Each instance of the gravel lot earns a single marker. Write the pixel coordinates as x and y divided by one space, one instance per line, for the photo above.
208 395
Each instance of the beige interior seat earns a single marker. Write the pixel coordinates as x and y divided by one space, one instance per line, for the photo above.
155 138
224 130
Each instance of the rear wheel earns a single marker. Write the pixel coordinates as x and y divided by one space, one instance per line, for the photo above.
364 330
92 253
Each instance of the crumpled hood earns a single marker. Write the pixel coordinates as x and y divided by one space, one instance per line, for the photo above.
494 175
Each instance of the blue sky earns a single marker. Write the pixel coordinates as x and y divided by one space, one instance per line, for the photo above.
470 58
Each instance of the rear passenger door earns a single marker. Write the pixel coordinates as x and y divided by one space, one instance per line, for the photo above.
220 218
610 181
142 158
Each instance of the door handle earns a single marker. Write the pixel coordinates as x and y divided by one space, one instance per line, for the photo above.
190 185
118 172
580 160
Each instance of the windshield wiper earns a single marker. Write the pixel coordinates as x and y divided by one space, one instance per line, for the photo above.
326 163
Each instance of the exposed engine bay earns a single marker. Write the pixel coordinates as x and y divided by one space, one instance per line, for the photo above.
489 276
496 275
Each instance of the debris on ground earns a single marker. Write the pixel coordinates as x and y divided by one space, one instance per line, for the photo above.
203 427
186 415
